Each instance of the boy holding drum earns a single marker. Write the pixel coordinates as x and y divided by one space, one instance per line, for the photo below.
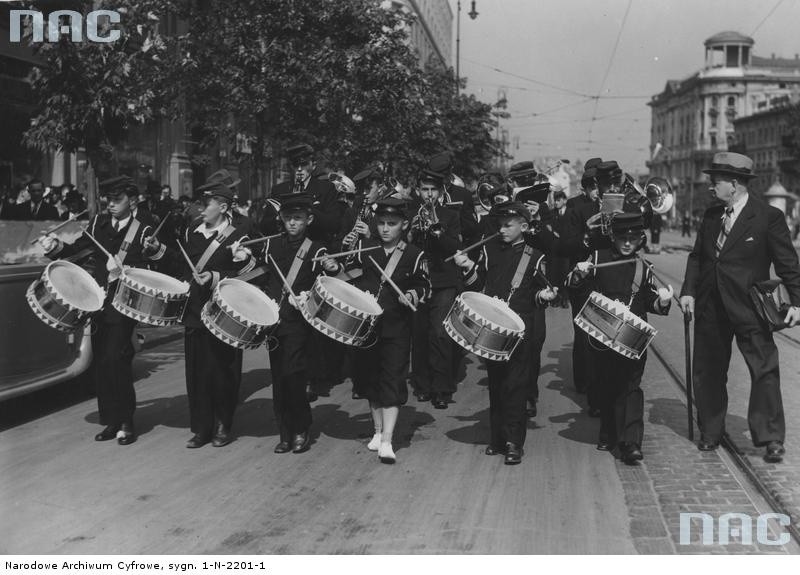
619 377
293 254
381 370
510 269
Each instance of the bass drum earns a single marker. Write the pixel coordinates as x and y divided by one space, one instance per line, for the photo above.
64 296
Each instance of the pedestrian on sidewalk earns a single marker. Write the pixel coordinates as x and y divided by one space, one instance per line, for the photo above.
736 245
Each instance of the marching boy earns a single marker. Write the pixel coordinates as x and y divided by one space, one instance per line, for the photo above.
619 378
381 370
293 253
510 269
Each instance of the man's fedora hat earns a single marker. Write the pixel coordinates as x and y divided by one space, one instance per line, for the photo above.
731 164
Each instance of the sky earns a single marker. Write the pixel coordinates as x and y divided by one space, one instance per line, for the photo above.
557 56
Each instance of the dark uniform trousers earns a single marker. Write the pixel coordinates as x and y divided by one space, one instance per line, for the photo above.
584 372
713 339
620 397
508 389
432 350
381 370
113 375
539 336
211 380
288 362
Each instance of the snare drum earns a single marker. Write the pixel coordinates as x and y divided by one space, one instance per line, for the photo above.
341 311
65 295
239 314
151 297
484 325
613 324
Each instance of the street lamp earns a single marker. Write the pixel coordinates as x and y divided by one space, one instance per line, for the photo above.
472 14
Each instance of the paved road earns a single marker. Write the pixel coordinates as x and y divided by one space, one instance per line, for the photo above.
68 494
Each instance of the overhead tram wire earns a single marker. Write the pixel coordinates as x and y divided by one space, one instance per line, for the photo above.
766 17
608 68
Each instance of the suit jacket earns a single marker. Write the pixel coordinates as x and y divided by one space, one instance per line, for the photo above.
758 239
573 228
46 211
470 230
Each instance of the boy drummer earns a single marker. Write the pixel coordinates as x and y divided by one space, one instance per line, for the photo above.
381 370
510 269
618 377
293 253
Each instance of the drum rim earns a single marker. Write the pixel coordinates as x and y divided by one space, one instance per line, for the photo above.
225 338
92 284
236 314
459 339
33 303
494 300
324 291
128 277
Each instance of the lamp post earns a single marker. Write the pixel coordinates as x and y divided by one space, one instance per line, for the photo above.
472 14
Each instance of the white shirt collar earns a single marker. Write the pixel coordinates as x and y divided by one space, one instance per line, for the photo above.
207 233
119 224
738 206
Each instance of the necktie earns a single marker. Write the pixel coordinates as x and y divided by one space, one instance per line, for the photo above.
724 230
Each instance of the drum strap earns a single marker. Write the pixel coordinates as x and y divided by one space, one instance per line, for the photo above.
522 266
299 257
126 243
391 265
213 246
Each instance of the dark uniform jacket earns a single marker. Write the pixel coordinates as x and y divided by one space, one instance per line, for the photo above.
326 210
221 265
495 269
411 274
470 229
45 211
574 228
758 239
442 274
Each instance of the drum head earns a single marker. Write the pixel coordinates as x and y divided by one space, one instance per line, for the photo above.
156 281
248 301
351 295
75 285
493 310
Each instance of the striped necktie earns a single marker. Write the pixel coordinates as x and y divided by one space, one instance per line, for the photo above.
724 230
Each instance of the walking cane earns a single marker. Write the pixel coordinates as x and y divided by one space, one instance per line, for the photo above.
687 323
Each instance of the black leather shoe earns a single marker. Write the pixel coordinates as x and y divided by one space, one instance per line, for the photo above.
110 432
775 452
311 395
301 442
630 453
594 412
531 409
197 441
439 403
603 445
423 396
283 447
513 454
222 436
126 434
707 445
491 450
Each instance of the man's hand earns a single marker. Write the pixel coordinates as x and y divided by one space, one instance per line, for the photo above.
329 264
203 278
664 295
462 260
350 239
548 294
792 316
533 208
362 229
408 300
49 243
299 301
582 269
687 304
239 253
151 244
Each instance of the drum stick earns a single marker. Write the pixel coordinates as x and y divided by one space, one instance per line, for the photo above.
58 226
472 247
659 279
341 254
258 240
614 263
102 249
161 225
283 279
391 283
188 259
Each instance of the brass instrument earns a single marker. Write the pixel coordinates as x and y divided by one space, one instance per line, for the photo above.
656 197
298 183
426 222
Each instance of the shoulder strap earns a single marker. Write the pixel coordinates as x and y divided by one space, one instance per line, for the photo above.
522 266
391 265
213 246
299 257
126 243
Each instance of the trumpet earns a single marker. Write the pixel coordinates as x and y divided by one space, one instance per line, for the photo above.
426 221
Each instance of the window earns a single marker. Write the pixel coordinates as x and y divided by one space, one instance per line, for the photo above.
731 100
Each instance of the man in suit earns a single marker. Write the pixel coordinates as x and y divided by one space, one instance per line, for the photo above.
736 244
36 208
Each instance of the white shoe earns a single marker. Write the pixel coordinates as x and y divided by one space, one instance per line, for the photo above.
386 453
375 442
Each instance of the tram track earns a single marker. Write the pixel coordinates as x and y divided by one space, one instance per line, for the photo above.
733 455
